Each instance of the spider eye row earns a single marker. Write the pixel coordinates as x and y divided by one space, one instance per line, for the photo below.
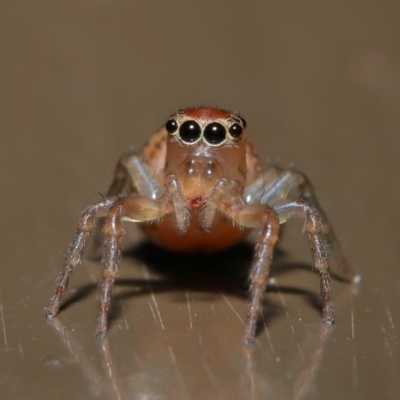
214 133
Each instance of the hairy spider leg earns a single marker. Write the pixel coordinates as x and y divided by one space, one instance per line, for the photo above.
131 176
314 228
135 209
328 231
261 266
291 183
253 216
86 223
274 188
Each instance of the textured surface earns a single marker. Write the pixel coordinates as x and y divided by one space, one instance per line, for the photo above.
82 81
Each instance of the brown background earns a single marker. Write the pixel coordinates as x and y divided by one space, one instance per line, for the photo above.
82 81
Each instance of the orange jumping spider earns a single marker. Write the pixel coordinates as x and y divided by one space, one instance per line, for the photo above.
198 186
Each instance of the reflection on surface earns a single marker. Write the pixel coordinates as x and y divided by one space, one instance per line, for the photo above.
100 380
80 357
184 334
258 384
258 380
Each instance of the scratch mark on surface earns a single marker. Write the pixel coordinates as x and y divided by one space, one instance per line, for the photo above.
123 309
172 354
152 311
126 322
3 324
352 324
232 308
389 314
138 360
21 352
158 311
282 299
188 306
178 374
303 359
153 298
267 332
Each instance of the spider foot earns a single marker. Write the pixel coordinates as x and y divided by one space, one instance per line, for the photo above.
329 320
50 313
100 335
327 314
248 341
250 332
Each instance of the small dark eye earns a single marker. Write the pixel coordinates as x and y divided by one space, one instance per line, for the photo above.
235 131
190 131
171 126
244 123
214 133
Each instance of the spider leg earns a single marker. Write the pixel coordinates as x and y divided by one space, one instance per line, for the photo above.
309 196
86 223
135 209
253 192
274 190
131 208
131 175
293 184
132 170
261 265
262 217
315 231
113 232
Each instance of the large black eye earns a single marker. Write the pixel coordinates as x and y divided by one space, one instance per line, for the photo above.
171 126
190 131
235 131
214 133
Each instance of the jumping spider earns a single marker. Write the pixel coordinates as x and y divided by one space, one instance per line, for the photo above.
198 186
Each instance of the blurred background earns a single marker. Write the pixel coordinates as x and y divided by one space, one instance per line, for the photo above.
83 81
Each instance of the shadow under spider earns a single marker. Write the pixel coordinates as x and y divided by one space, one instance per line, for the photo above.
224 272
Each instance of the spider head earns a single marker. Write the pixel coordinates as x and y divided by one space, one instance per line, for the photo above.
204 145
